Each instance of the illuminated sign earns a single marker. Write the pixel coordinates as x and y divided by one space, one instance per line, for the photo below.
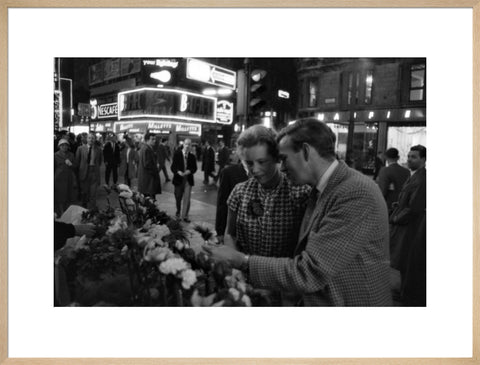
224 112
57 109
166 103
283 94
101 127
161 63
211 74
158 127
107 110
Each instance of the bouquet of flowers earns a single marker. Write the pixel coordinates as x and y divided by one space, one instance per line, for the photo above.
142 257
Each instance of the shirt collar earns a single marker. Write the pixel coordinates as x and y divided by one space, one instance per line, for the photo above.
326 176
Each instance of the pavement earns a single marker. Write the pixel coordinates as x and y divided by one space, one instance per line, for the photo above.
203 204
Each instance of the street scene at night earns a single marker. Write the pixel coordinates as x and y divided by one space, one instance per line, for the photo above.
240 182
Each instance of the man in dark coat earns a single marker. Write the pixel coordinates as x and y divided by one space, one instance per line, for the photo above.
184 166
229 177
392 177
111 158
148 177
408 214
208 163
223 158
162 156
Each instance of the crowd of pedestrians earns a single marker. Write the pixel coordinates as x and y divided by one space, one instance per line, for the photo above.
299 221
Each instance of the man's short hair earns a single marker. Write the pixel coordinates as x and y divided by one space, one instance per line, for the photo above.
313 132
258 134
148 135
422 150
392 153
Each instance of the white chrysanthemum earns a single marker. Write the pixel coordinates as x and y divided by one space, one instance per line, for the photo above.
157 254
179 245
188 278
126 194
196 240
123 187
158 231
173 266
117 223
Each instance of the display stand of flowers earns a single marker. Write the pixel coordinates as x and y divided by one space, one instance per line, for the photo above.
140 256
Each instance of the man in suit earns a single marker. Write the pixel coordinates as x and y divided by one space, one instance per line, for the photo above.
111 158
208 162
184 166
89 157
406 221
341 258
148 177
229 177
392 177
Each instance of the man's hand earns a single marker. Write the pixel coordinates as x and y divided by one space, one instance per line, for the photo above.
225 254
187 172
84 229
228 240
180 173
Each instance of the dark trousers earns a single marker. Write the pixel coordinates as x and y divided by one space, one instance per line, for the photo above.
182 195
111 168
208 174
127 178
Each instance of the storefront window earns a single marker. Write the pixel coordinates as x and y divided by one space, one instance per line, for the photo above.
404 137
364 147
341 134
417 82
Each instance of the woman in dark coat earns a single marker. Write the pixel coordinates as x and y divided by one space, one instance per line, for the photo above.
64 180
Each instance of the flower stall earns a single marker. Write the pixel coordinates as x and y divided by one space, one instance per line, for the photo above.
140 256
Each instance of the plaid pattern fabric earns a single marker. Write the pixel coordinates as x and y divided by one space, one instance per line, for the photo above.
267 222
343 260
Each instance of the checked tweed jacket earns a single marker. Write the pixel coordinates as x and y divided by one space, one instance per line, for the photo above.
342 259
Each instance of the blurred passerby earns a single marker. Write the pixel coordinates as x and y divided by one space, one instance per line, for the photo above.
89 157
129 162
148 177
184 166
223 158
208 163
162 157
111 157
392 177
64 180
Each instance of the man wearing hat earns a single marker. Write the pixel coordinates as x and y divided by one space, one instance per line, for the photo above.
89 157
392 177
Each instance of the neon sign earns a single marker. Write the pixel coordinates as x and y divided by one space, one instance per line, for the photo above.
158 127
166 103
224 112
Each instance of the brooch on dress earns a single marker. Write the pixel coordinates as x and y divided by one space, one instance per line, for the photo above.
255 208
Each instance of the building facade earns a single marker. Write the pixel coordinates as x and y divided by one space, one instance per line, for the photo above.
371 104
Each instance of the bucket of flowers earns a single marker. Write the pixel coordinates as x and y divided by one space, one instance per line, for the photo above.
140 256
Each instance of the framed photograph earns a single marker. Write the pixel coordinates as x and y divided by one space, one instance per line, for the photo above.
118 43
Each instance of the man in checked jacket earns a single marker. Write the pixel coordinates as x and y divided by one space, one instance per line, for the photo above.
342 253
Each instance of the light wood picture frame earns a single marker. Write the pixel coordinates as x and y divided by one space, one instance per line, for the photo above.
10 4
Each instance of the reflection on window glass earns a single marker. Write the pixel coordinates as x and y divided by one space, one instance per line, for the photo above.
417 82
368 87
404 137
364 147
312 92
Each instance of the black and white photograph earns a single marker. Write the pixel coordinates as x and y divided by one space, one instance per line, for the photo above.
240 182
